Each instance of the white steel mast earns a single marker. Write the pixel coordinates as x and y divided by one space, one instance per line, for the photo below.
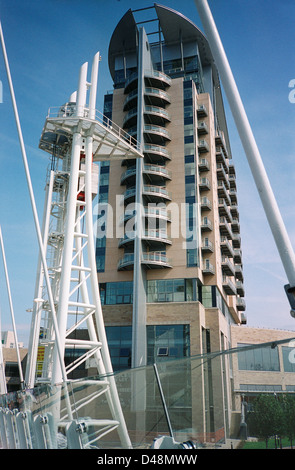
76 136
269 203
11 312
3 387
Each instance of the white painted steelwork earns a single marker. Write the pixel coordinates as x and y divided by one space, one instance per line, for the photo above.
270 206
12 316
76 136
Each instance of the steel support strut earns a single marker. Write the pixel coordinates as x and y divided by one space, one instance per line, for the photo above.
251 150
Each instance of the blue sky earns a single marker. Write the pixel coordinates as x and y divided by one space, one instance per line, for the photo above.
48 40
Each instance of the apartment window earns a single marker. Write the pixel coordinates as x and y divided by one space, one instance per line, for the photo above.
171 290
167 341
192 252
258 359
192 257
114 293
103 195
191 63
120 346
108 105
11 369
288 359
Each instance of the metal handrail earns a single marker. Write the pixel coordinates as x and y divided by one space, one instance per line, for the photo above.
70 111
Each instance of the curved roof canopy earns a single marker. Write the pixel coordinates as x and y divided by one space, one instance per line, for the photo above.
173 26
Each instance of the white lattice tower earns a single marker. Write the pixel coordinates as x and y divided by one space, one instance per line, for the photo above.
76 136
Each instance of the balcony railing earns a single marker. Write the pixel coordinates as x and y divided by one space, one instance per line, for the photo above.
221 155
203 146
158 170
226 247
148 168
202 127
224 209
130 192
240 288
151 259
157 131
236 240
160 77
224 228
152 235
157 258
202 110
130 118
228 286
207 246
204 184
157 112
69 112
158 94
241 304
126 261
157 150
227 266
205 203
208 268
160 212
239 272
157 191
206 224
204 165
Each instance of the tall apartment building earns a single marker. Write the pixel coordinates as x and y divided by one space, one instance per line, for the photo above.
169 263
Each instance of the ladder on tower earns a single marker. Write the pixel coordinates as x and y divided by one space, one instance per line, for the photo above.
77 137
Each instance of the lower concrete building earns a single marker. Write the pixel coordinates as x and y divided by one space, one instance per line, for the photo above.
269 369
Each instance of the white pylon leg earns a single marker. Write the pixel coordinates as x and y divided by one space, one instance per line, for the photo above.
66 268
270 206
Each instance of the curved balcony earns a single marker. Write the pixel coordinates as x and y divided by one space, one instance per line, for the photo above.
130 119
150 236
129 194
153 79
156 260
157 236
153 133
131 83
156 114
127 240
157 79
156 193
156 97
157 212
126 263
156 153
152 260
128 175
156 134
152 192
156 174
150 212
131 100
153 96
